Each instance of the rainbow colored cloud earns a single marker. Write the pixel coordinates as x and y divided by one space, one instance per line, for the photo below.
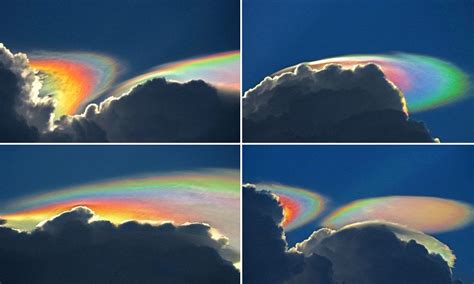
427 214
423 213
426 82
300 206
221 70
210 196
74 79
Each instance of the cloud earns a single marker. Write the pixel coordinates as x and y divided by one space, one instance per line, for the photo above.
332 104
156 111
22 112
266 258
162 111
371 252
73 248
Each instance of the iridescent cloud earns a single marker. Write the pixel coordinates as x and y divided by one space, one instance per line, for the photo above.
73 78
300 206
221 70
211 196
426 214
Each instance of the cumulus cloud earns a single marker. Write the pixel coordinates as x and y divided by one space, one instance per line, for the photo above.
332 104
72 248
156 111
370 252
22 113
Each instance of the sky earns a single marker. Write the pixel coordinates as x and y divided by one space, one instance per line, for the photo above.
278 34
140 34
346 173
53 167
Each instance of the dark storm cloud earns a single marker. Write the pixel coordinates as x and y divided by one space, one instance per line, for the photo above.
329 105
369 253
161 110
71 248
156 111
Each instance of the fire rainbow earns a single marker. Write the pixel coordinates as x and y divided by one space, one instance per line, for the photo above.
300 206
426 214
221 70
73 78
426 82
210 196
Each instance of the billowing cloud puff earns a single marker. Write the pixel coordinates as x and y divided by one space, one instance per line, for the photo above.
156 111
372 252
22 112
332 104
72 248
266 259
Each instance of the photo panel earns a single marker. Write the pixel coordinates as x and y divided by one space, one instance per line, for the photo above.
357 214
120 214
357 71
120 71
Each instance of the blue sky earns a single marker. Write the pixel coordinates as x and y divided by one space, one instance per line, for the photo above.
347 173
28 169
278 34
140 33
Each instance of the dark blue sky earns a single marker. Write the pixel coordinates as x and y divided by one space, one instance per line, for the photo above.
27 169
142 33
278 33
347 173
